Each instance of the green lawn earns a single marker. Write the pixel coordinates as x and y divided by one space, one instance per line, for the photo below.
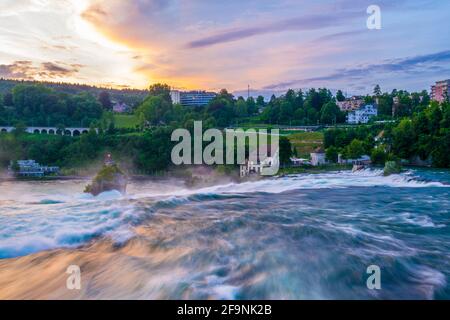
306 142
125 121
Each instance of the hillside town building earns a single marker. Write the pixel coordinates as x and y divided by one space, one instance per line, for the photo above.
439 91
351 104
191 98
363 114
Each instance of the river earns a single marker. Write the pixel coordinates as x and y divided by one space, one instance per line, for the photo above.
308 236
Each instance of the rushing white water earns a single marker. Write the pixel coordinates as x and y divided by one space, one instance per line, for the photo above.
271 238
343 179
36 216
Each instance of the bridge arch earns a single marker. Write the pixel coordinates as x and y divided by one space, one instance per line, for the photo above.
67 132
84 131
44 131
76 133
51 131
36 131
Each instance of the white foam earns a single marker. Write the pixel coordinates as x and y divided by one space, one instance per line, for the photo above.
67 218
329 180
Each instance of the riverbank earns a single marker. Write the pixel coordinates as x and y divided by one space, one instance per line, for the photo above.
311 169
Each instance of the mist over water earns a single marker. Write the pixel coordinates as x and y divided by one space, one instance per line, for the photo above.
308 236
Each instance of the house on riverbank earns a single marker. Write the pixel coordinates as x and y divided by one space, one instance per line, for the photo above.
259 165
318 157
30 168
363 160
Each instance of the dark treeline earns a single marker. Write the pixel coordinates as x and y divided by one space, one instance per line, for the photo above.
315 107
146 152
41 106
132 97
60 105
222 111
296 108
47 104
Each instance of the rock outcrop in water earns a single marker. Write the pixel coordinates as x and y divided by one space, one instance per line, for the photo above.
109 178
391 167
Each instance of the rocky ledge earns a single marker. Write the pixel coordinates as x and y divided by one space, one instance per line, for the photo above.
109 178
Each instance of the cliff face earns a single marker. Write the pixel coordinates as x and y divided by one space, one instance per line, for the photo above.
110 177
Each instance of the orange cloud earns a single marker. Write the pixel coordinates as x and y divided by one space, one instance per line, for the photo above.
45 71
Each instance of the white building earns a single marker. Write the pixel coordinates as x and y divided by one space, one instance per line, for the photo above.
363 114
260 166
175 95
364 159
318 157
30 168
192 98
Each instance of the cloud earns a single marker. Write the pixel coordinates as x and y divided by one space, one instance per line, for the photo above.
17 70
127 21
26 70
200 44
419 63
54 70
304 23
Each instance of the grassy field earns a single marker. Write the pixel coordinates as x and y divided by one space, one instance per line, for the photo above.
306 142
125 120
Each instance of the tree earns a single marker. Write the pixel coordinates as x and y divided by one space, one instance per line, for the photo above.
299 116
355 149
19 128
368 99
223 94
285 151
251 106
241 107
260 102
332 153
385 105
378 156
286 112
404 138
441 152
425 98
160 89
330 113
434 115
340 96
377 90
8 99
86 109
153 109
404 107
312 116
105 100
290 96
221 109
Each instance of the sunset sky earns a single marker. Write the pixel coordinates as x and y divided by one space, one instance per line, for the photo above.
208 44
